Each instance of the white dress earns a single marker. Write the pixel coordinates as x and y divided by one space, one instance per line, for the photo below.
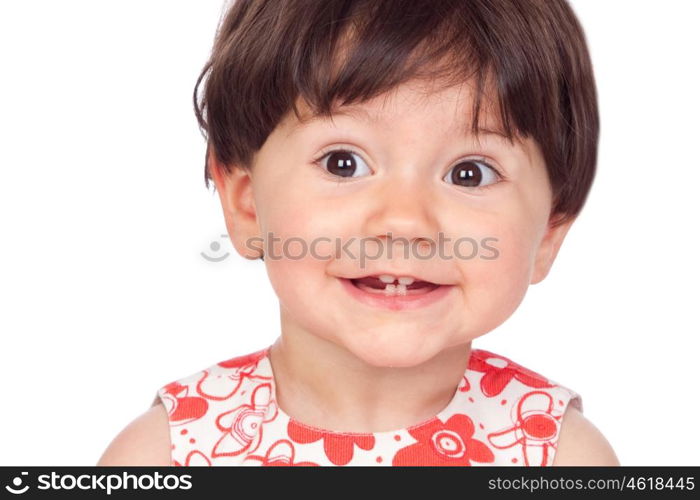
501 414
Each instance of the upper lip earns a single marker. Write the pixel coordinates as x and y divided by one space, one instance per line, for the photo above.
408 274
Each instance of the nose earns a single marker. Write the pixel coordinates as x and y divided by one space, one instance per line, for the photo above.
403 209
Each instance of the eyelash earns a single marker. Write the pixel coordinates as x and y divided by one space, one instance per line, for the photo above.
340 179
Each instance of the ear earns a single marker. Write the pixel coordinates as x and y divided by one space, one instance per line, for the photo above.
549 247
236 194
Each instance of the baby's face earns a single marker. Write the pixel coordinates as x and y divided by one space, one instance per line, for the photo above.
414 172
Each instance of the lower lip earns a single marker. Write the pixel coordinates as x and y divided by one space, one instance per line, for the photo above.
396 302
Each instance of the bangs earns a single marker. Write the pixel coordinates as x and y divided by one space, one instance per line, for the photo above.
354 56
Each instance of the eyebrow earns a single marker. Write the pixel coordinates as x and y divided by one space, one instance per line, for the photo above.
364 115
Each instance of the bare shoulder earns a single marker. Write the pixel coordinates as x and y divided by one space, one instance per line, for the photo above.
144 441
581 443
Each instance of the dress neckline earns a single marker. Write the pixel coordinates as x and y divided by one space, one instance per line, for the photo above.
457 400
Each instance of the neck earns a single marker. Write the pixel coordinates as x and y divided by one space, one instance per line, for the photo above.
322 384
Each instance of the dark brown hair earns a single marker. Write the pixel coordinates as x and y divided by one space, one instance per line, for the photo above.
268 53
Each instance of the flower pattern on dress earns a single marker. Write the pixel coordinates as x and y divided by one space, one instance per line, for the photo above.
466 386
499 371
224 382
281 453
182 408
337 446
197 458
242 426
227 414
536 428
444 443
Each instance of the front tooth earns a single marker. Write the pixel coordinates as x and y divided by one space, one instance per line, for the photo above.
390 290
387 278
405 280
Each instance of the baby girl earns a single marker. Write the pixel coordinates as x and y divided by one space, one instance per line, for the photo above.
405 169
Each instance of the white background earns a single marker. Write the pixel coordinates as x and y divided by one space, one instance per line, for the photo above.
104 296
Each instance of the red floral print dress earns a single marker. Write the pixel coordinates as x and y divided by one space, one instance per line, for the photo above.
501 414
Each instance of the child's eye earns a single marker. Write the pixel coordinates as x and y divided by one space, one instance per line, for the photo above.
471 173
343 163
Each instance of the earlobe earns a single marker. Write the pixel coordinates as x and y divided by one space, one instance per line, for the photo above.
549 248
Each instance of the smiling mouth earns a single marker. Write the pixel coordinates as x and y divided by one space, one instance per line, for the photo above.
372 284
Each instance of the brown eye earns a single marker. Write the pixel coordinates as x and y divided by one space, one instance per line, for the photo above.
343 163
472 173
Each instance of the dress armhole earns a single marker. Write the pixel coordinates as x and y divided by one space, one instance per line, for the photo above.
156 400
575 400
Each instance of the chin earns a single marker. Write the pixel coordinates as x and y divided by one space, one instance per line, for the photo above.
393 354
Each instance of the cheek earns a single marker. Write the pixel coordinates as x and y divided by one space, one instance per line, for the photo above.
290 278
300 231
507 274
496 280
300 286
296 257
